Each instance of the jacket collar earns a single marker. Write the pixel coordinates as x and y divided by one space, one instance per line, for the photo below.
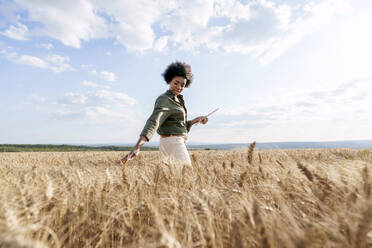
170 93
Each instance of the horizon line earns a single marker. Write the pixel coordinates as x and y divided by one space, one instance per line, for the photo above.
195 142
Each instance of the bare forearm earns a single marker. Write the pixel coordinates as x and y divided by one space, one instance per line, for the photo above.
194 121
201 119
141 141
134 152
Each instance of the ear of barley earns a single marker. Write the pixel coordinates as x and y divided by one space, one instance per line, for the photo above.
250 152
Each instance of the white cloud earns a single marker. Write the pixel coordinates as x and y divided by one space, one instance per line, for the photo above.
338 112
105 75
252 29
94 85
58 63
18 32
55 62
161 43
70 21
315 15
345 101
108 76
96 106
31 60
131 21
187 23
98 98
106 97
264 29
74 98
98 112
94 115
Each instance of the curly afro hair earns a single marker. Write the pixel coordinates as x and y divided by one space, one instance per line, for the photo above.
178 69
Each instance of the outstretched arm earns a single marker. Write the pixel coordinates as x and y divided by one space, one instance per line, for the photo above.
134 152
158 116
202 119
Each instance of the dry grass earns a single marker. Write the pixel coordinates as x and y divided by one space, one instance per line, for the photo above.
276 198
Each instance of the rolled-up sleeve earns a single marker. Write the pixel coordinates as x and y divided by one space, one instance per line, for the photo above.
159 115
188 126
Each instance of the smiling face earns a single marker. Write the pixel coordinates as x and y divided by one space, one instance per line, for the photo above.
177 85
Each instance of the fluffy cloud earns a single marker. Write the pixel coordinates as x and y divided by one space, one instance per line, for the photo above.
93 115
94 106
105 75
108 76
266 30
55 62
73 98
98 98
262 28
131 21
31 60
94 85
344 101
106 97
18 32
67 21
334 112
58 63
314 16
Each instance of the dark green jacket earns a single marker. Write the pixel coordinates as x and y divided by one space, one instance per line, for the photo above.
168 117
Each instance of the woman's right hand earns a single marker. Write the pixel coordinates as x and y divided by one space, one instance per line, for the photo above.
135 151
129 156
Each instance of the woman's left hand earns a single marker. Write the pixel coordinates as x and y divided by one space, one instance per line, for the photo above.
203 119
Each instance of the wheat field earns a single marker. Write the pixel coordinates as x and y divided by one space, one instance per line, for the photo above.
239 198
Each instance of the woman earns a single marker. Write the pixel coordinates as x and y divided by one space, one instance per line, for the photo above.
169 118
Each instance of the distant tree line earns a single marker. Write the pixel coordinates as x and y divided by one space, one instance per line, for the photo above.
64 148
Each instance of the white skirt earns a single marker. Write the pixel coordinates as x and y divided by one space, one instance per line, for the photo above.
174 151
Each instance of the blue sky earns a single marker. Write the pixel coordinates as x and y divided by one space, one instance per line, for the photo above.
87 71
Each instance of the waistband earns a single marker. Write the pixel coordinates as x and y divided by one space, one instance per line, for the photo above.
170 135
184 136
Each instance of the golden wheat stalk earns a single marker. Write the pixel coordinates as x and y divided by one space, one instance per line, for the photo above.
250 152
